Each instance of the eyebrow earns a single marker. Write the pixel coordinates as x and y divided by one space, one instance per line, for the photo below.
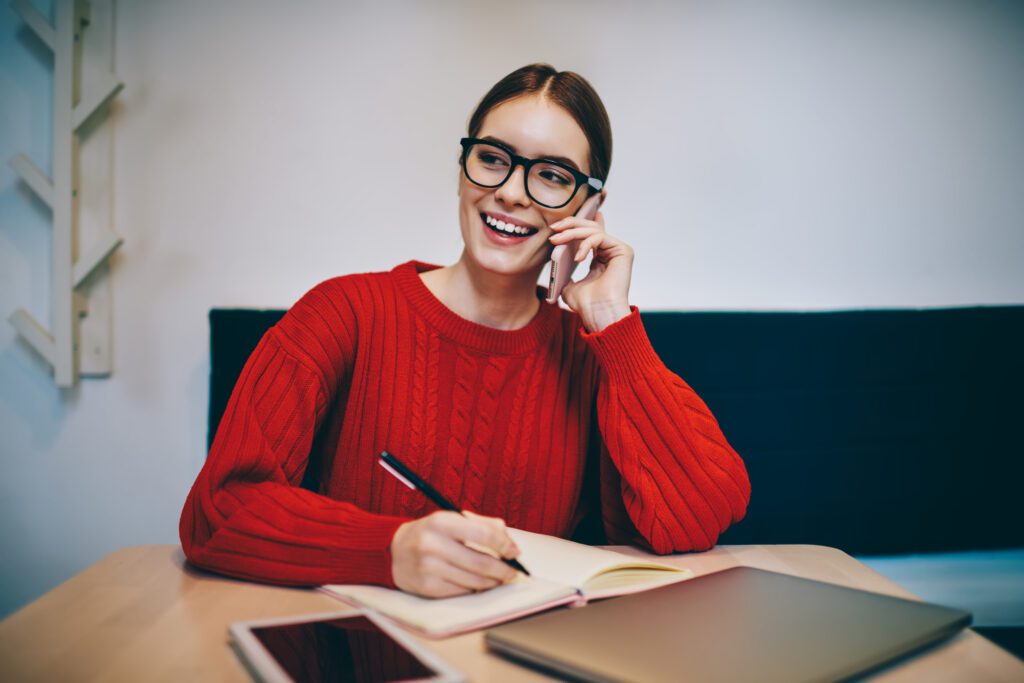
549 157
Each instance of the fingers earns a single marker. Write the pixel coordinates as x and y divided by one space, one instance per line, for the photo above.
482 565
588 245
575 227
446 554
574 234
589 240
476 544
487 532
449 568
577 233
570 222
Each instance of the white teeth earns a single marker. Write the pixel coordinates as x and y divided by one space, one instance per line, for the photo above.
509 228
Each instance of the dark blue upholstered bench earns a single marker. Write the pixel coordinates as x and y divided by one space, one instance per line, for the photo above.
892 433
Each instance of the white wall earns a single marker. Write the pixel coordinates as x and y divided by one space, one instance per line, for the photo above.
794 155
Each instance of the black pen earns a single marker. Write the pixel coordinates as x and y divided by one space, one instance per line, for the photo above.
409 478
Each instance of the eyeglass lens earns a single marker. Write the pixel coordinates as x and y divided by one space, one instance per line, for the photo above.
546 183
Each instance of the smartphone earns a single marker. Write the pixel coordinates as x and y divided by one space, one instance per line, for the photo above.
354 645
563 257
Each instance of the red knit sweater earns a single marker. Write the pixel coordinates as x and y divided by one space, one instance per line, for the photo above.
501 422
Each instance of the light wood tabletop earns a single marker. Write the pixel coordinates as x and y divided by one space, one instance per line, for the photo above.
142 613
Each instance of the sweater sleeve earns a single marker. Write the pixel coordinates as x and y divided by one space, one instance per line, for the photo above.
246 515
672 477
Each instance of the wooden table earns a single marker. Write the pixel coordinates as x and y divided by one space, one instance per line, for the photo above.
143 614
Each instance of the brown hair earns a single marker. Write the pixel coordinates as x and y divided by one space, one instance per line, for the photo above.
567 89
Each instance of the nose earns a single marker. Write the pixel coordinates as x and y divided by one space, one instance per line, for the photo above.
513 190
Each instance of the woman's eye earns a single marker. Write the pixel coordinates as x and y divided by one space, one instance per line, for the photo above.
555 177
492 159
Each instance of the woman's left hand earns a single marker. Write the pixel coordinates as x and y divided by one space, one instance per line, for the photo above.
602 297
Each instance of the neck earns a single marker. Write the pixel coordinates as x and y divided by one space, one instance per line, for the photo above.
504 302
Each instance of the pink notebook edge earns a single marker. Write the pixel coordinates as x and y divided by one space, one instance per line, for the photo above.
572 599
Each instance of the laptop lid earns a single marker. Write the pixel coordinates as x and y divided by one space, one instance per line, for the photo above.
741 624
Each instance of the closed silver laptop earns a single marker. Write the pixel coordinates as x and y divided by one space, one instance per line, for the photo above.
741 624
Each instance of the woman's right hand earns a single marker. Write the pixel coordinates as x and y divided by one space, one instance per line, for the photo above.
430 557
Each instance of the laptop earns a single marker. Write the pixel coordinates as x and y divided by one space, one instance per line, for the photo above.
741 624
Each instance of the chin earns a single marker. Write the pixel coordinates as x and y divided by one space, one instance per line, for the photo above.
521 260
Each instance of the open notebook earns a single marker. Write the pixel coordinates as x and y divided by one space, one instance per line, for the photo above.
563 573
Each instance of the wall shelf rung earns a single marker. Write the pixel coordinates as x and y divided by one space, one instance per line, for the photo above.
37 336
34 178
35 21
93 258
95 100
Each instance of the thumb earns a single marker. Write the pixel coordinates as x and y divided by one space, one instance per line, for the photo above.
569 294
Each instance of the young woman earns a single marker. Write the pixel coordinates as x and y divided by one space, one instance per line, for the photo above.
524 412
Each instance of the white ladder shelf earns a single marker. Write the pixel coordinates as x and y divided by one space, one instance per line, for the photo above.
70 269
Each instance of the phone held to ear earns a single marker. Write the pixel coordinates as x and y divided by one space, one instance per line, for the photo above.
563 256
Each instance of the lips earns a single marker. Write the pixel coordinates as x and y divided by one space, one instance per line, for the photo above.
507 226
501 239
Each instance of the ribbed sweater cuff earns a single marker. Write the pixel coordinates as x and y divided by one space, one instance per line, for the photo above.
373 556
622 348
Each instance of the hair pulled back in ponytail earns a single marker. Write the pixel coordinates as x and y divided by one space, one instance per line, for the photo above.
565 88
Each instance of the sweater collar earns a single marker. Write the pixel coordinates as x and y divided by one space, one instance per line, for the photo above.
467 332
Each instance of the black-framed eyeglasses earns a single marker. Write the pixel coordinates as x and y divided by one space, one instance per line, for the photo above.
548 182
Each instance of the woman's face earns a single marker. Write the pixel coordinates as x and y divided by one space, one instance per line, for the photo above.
532 127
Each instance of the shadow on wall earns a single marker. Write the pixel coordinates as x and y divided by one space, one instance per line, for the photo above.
38 405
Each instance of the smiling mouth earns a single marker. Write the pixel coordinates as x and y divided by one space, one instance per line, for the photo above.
507 229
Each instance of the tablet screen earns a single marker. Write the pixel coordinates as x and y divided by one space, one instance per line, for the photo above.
346 649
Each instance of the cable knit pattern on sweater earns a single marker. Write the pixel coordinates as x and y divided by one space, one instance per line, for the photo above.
502 422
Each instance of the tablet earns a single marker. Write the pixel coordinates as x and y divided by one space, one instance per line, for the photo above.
354 645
